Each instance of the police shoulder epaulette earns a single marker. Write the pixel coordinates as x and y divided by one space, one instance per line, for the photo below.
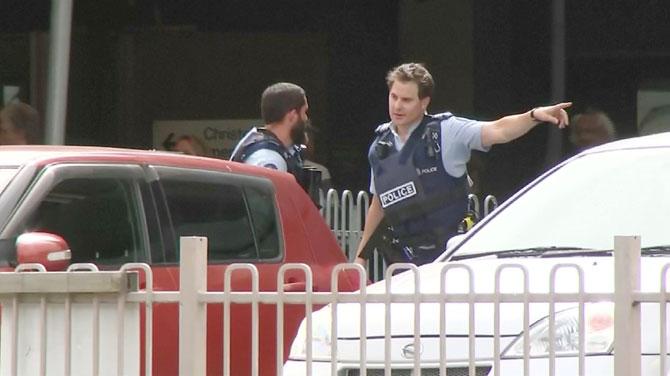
382 128
442 116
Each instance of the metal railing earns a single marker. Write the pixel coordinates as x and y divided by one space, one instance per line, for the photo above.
76 323
345 215
31 300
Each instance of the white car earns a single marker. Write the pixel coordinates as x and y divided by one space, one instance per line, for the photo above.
569 215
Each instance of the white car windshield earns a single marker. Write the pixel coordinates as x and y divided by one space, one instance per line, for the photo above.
584 204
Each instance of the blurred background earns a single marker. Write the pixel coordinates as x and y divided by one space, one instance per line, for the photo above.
138 65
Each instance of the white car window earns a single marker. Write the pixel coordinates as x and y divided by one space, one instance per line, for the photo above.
585 204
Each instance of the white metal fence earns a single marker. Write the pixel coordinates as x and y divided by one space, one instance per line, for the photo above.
345 214
70 323
45 326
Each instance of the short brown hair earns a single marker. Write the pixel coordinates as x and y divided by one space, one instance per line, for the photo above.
413 72
279 99
26 119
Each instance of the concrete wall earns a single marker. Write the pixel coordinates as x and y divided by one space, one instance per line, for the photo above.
439 33
122 82
15 63
183 75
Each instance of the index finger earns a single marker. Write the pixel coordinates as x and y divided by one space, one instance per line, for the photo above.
563 105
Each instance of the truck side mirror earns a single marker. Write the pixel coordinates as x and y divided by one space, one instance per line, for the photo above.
44 248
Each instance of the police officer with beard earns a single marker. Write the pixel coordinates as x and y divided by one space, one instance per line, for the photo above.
278 144
418 164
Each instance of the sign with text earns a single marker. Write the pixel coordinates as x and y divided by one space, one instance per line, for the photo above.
216 138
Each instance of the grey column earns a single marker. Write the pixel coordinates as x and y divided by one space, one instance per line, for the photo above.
554 139
59 61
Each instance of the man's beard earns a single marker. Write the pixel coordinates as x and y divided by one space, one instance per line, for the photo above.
298 132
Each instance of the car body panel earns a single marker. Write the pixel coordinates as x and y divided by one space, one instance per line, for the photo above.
567 217
304 238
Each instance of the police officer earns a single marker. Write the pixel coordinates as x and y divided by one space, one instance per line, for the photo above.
278 144
418 163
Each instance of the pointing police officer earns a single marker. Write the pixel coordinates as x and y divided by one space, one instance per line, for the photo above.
418 164
278 144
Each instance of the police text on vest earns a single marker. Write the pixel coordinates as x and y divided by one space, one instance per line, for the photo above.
397 194
423 171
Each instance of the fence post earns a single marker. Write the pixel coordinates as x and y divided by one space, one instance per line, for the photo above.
627 357
489 202
346 223
192 312
360 212
473 204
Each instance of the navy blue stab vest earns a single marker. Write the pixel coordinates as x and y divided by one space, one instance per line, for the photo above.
419 198
270 141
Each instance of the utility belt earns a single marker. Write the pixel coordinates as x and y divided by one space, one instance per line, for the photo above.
422 249
419 249
435 237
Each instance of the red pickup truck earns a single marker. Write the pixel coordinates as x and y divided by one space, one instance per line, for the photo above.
114 206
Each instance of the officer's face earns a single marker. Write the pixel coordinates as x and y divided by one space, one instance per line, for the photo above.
405 107
300 124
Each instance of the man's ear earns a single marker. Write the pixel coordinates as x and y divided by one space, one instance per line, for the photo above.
290 116
424 103
286 118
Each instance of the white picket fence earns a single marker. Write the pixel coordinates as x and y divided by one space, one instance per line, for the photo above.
345 214
36 332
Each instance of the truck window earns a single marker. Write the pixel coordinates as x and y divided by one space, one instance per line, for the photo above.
237 216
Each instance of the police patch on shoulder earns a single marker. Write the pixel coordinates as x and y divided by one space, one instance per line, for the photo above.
397 194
